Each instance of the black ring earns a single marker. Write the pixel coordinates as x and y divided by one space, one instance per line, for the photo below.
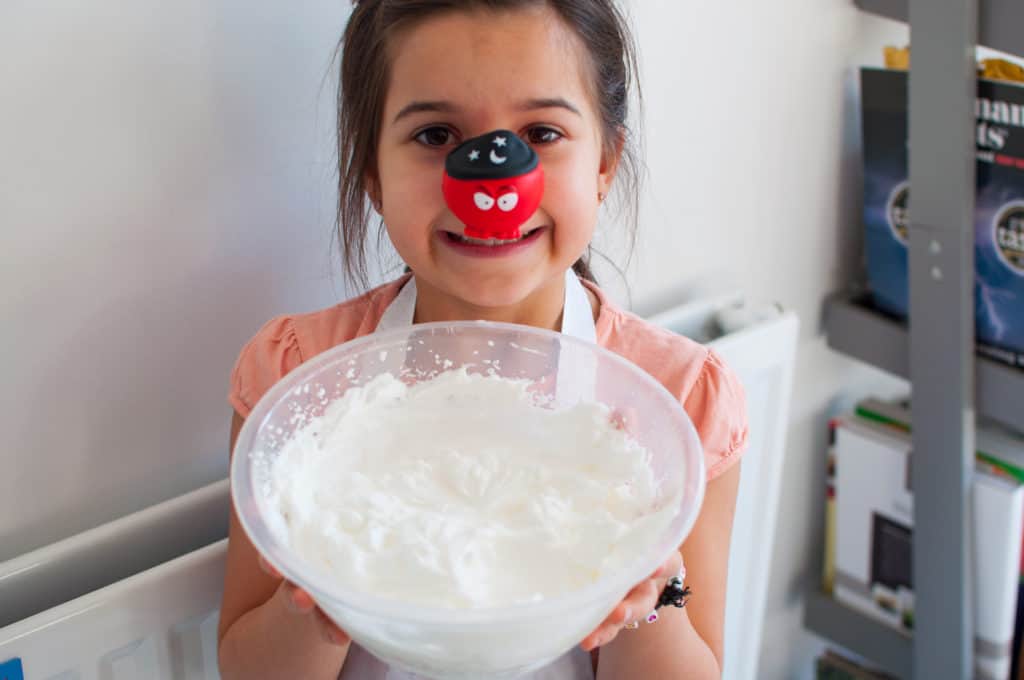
675 594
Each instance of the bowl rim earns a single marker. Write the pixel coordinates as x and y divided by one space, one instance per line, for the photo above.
299 571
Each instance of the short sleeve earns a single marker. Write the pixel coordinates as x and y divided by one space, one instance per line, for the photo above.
718 407
270 355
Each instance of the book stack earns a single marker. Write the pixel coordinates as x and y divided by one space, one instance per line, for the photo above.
869 527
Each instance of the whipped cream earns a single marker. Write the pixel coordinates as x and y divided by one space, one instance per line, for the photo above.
463 492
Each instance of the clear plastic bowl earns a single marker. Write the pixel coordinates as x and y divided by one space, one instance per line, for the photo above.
472 643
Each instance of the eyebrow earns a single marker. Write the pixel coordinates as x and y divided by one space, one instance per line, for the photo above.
549 103
419 107
448 107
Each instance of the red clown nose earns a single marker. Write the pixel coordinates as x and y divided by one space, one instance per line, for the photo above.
493 183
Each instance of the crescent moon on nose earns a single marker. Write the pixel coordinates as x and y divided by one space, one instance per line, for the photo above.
496 159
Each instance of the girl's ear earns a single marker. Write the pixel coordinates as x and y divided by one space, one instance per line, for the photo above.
373 191
610 164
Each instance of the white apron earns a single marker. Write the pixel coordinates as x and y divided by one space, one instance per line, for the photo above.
577 321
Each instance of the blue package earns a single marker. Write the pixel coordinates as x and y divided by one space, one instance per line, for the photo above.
999 211
11 669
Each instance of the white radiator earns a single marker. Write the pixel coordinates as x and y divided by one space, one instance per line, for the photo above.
762 352
62 571
134 598
161 623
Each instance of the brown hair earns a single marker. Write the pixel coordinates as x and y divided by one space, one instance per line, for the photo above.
365 74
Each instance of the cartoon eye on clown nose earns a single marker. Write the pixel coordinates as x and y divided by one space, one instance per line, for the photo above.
507 201
483 201
494 169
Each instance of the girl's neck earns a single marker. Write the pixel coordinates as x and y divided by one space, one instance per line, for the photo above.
541 309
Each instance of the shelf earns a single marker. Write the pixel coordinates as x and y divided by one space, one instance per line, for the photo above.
856 329
998 24
884 646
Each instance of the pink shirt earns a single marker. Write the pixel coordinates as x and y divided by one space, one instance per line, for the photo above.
710 393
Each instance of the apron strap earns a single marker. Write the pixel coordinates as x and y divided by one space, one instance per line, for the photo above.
577 315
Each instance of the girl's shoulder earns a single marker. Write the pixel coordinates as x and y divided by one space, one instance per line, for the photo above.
710 392
284 342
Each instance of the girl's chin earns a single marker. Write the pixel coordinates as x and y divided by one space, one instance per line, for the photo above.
496 295
485 290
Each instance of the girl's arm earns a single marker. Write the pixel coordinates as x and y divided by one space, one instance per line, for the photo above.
268 629
685 643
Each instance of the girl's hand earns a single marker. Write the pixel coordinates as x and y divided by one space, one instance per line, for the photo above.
300 602
636 605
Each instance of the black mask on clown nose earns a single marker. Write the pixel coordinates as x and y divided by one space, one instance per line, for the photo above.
499 154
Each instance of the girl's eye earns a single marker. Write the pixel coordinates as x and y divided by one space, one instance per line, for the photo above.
435 136
542 135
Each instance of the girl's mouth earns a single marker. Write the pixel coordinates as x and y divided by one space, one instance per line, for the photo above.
476 247
490 242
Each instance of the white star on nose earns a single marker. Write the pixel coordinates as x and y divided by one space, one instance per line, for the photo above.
499 141
474 154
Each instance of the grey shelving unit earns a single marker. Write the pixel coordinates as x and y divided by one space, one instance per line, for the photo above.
887 647
999 21
936 349
856 329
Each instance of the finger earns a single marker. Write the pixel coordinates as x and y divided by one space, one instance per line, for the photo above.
609 628
593 641
330 630
611 636
642 595
641 590
299 600
269 568
619 615
600 638
642 599
670 567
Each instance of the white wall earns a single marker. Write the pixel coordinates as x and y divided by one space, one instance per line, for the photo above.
166 185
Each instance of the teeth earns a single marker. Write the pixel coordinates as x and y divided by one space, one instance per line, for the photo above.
489 241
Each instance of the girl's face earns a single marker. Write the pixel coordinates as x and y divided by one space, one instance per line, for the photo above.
460 75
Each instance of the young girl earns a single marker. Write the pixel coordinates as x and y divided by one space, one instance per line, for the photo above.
417 78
